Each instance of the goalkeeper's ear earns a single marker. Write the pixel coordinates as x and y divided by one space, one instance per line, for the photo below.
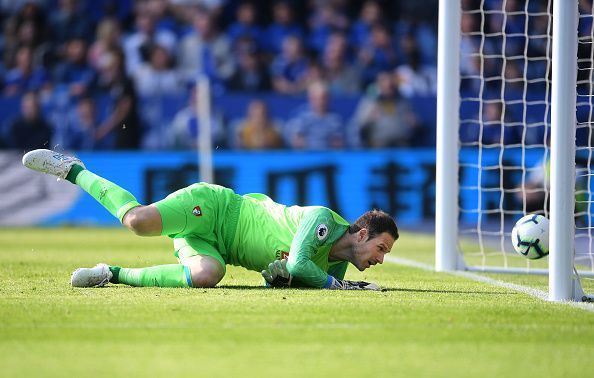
362 234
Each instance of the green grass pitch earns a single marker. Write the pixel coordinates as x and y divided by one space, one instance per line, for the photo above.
423 324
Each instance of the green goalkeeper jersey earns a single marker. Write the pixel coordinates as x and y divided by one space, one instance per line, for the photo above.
267 231
252 231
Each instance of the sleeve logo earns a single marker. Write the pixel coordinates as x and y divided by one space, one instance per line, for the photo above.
281 255
322 231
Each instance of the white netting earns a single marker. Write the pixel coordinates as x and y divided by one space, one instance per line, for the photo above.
585 113
504 123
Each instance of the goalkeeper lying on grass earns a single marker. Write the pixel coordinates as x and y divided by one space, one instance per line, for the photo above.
212 226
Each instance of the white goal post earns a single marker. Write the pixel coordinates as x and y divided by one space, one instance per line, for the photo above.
558 107
563 121
204 132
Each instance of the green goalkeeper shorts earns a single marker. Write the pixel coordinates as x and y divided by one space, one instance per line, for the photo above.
204 216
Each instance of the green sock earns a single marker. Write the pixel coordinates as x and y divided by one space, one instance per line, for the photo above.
115 199
115 271
172 275
74 171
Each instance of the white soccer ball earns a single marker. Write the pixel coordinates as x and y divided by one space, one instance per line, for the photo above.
530 236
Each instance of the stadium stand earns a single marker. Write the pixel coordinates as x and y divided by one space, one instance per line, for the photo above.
99 65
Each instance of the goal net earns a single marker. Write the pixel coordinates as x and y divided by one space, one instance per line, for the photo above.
503 136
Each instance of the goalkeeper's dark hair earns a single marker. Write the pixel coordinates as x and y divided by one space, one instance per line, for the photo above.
376 222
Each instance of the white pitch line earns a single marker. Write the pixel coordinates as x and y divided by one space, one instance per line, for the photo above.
540 294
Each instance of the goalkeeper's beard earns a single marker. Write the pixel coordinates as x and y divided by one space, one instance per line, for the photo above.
356 259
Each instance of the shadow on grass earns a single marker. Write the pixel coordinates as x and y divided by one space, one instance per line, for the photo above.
241 287
248 287
444 291
264 288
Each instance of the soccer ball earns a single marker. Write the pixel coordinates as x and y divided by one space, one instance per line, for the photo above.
530 236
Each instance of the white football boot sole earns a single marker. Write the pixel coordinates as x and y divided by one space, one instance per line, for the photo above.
97 276
50 162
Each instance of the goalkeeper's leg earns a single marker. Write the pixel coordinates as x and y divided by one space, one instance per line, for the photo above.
197 271
142 220
171 216
201 265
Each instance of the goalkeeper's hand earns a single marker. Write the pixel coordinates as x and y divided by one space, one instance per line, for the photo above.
336 284
277 274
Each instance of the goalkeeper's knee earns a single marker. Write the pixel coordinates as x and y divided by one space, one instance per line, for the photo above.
205 271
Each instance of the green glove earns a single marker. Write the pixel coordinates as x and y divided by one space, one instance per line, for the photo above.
277 274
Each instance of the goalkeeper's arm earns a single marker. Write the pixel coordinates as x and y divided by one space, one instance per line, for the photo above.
307 243
277 275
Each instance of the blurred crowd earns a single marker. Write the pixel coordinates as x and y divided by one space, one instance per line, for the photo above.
85 72
505 64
